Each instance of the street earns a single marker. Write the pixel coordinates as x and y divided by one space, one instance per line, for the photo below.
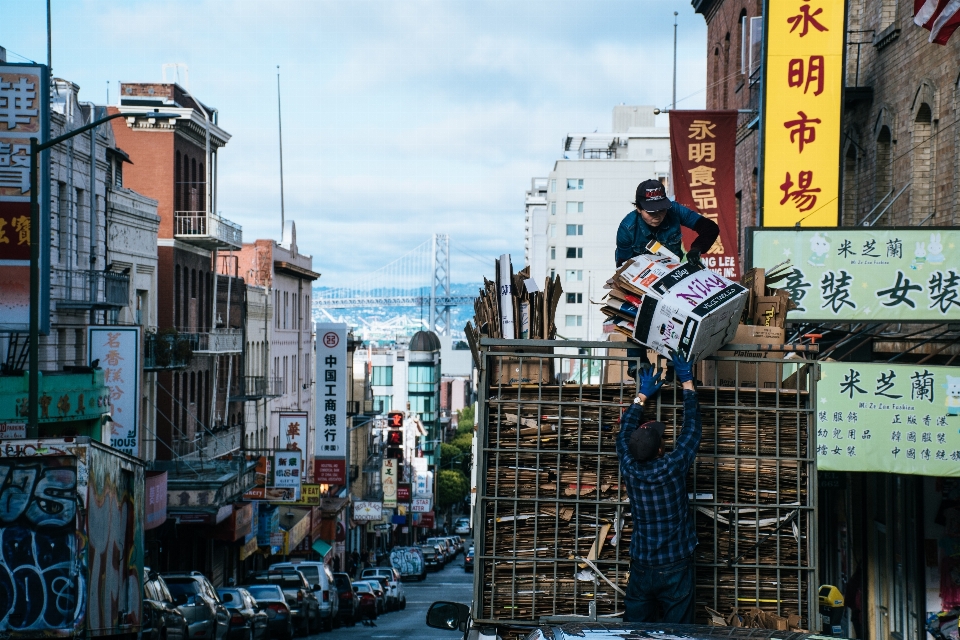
451 584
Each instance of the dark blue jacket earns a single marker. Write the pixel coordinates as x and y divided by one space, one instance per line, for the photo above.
634 234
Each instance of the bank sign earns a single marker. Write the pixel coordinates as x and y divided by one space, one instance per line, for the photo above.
888 418
865 274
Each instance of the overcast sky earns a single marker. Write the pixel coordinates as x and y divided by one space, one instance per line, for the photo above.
400 119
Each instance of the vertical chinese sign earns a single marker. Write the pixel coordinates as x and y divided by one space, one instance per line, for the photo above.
24 114
293 433
702 145
330 441
118 350
388 480
286 472
803 83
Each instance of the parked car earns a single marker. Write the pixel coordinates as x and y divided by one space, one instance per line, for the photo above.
271 600
444 547
161 618
349 601
409 562
320 578
378 591
431 557
247 621
300 598
385 585
457 543
197 600
468 560
396 598
462 526
367 600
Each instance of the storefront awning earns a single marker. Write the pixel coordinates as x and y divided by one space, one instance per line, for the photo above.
322 547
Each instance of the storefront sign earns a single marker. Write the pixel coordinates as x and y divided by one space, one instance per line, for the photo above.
803 81
421 505
888 418
293 434
24 114
388 480
403 492
702 145
424 520
367 511
309 497
330 471
249 548
331 437
865 274
155 499
261 489
118 350
286 471
13 430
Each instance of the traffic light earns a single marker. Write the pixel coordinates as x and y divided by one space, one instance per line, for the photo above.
395 435
395 420
394 438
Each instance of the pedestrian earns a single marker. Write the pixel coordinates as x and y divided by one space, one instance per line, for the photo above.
336 564
664 538
366 558
656 217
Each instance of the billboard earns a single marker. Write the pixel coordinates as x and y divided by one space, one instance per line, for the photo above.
803 91
24 113
865 273
331 431
118 350
888 418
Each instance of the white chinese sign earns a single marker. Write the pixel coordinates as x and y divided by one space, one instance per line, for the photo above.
331 431
293 433
286 470
421 505
118 350
367 511
388 480
889 418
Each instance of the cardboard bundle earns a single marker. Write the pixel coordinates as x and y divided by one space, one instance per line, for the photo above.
671 307
766 306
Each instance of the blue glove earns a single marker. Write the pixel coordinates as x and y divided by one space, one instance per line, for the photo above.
649 383
682 369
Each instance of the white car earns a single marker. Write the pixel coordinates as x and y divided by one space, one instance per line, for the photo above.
462 527
395 596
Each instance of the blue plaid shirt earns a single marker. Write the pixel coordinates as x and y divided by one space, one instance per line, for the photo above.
663 531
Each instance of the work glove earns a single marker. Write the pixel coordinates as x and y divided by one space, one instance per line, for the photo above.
649 382
682 369
693 257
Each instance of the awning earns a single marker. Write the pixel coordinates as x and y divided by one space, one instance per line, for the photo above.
322 547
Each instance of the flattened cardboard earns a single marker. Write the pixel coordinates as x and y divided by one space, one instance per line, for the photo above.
725 373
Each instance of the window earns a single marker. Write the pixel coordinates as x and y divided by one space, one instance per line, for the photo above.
574 275
553 231
649 151
574 252
574 207
574 298
598 154
118 174
574 229
382 376
553 273
553 208
574 321
553 186
383 404
553 253
573 184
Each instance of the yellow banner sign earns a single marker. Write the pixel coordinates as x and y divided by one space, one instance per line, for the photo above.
803 101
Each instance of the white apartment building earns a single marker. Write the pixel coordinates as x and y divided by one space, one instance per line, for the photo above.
588 193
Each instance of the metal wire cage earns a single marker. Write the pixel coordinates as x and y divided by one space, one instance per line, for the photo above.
552 519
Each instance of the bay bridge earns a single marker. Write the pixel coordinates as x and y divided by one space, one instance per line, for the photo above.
419 278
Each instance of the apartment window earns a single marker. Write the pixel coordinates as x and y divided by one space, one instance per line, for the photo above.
553 273
553 208
553 231
574 298
382 376
598 154
553 186
574 321
574 252
118 174
574 184
383 404
574 275
553 253
574 229
574 207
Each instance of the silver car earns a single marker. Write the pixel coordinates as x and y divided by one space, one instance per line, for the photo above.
197 600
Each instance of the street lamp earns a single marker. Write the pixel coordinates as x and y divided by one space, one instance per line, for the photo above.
33 426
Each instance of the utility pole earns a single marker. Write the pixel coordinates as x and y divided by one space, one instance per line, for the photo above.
280 130
673 105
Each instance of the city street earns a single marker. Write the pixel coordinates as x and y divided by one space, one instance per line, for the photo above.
452 584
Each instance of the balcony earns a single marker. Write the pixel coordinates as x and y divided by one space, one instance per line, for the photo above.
167 351
215 444
207 230
218 341
258 388
86 289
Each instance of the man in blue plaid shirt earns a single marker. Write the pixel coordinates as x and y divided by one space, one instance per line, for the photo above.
661 550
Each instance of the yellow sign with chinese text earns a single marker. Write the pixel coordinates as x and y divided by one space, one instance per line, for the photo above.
803 104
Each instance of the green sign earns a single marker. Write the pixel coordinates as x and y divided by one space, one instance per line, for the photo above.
871 274
889 418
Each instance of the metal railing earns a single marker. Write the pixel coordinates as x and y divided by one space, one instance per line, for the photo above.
258 387
214 445
89 289
219 341
167 351
208 228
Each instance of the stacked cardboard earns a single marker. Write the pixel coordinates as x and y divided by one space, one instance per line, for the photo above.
671 307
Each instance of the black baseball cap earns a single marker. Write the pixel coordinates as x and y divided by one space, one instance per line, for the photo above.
651 196
645 441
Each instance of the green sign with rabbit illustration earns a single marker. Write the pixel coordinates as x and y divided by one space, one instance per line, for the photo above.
865 274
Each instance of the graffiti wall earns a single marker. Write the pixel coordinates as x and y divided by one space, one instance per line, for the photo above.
42 577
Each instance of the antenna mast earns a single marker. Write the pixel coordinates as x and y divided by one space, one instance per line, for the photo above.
280 128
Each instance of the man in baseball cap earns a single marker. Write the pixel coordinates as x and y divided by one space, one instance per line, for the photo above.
656 217
664 538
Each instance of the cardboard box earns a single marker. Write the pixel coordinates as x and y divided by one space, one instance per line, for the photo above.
688 311
725 373
513 370
615 371
771 311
